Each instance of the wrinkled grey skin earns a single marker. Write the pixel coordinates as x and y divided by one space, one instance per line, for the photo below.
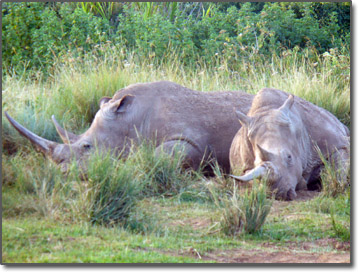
279 139
204 124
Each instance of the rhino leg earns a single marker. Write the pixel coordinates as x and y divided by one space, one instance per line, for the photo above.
193 156
302 185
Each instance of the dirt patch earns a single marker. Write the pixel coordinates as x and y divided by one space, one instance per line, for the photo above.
260 256
195 223
329 243
289 252
305 195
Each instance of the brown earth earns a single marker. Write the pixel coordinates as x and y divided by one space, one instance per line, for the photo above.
267 253
280 256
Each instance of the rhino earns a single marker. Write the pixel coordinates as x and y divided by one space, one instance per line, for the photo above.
280 139
202 123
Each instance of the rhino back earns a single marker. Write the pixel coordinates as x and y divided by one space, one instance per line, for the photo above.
160 88
208 119
166 110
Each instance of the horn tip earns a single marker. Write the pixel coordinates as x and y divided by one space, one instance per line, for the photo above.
237 178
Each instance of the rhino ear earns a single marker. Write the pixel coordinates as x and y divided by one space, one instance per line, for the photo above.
288 104
104 100
121 105
243 118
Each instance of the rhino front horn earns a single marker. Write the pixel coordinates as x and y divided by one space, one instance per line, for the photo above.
257 172
44 145
66 137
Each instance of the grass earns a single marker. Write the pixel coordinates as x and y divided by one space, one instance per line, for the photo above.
166 214
243 212
40 239
335 177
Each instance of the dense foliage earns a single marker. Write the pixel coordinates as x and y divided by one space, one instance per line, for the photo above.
38 35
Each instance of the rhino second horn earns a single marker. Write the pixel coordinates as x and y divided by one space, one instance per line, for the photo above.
66 137
264 154
44 145
243 118
257 172
287 104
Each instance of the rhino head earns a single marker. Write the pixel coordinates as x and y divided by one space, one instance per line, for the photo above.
277 143
108 131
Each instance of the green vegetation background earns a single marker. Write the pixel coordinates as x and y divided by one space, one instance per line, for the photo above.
39 35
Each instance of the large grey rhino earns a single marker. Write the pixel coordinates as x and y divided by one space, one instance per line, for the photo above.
279 139
203 123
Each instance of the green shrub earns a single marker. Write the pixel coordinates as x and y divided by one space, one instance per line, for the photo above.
39 35
155 38
18 22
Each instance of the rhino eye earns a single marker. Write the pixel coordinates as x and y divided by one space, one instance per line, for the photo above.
289 159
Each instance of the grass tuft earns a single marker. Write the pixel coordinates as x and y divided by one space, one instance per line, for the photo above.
160 172
335 179
244 212
341 230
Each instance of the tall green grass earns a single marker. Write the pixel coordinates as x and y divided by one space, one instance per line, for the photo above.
107 194
72 92
335 179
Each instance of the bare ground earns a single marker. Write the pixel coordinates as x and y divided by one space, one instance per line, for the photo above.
266 253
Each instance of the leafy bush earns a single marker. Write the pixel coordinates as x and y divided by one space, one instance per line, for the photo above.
38 35
154 38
